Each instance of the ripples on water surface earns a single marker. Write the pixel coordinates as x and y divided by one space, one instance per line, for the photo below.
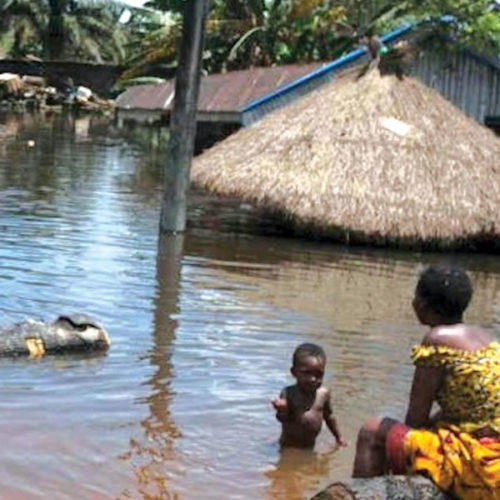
203 328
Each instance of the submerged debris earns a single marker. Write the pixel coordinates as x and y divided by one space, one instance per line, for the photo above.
25 91
68 333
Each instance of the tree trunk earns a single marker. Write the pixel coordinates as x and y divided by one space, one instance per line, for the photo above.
55 35
382 488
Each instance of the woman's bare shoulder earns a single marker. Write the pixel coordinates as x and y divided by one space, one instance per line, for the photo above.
461 336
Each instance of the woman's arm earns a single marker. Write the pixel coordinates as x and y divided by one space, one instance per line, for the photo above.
426 382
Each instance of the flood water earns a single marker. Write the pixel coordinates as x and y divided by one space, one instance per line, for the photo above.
203 327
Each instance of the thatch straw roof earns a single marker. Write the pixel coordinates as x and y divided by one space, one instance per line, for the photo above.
370 160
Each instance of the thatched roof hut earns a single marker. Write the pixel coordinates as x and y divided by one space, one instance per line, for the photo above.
372 160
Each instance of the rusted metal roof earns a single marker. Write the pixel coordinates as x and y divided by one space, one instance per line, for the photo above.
221 92
148 96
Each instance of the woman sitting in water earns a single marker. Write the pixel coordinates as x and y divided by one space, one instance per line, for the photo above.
457 366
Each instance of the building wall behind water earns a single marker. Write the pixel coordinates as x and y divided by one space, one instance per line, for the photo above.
470 82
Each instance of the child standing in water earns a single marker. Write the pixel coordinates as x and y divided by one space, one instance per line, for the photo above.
302 407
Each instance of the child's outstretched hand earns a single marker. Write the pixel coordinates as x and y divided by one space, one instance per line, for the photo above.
279 405
342 442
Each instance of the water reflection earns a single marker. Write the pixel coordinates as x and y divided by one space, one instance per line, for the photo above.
298 471
152 455
203 327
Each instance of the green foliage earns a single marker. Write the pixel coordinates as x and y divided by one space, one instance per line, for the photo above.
474 23
241 33
153 43
21 26
64 29
273 32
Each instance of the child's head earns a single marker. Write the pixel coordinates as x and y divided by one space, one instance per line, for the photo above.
307 349
445 290
308 366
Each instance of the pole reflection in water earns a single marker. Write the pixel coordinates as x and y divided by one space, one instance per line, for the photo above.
154 455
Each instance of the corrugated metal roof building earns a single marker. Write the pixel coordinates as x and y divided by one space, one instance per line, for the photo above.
222 96
221 100
470 81
234 99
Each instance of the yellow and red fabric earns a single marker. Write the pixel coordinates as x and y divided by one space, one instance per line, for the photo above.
454 455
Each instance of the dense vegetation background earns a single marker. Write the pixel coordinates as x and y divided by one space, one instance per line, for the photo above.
239 33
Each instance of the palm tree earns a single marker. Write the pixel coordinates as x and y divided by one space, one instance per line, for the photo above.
62 29
153 43
263 32
256 32
304 30
284 31
21 26
85 29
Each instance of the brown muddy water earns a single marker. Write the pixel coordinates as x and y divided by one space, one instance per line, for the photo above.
203 327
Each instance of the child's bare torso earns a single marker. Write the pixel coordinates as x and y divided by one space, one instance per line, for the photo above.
297 430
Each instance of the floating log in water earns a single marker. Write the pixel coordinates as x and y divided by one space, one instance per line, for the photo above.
70 333
382 488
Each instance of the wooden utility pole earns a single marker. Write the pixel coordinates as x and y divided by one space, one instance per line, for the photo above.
183 120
